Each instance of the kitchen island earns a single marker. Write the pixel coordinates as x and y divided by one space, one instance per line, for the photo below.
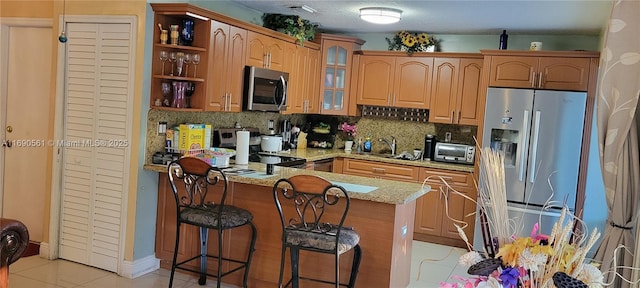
382 211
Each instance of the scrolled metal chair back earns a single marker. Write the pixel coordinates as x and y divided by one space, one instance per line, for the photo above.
198 177
311 197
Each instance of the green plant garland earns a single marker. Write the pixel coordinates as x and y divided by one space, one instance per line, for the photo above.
292 25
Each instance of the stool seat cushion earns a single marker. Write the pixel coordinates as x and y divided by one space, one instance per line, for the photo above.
323 240
207 216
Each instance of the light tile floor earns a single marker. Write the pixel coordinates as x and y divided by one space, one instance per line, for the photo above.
438 264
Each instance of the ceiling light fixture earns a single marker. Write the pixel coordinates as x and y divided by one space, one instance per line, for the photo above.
308 9
305 8
380 15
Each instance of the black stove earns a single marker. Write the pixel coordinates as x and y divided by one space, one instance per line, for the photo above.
277 160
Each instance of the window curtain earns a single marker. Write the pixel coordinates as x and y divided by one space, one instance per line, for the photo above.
617 96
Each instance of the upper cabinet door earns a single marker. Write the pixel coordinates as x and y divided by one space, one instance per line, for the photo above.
257 49
444 90
227 67
335 77
375 80
294 65
276 54
264 51
235 67
554 73
217 92
563 73
468 92
412 83
313 82
513 71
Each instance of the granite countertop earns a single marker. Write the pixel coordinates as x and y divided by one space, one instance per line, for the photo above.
387 191
314 154
384 191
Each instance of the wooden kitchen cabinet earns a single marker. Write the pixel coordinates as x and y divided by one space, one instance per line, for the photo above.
226 63
311 103
455 91
554 73
380 170
302 64
375 80
166 71
265 51
400 81
336 66
431 221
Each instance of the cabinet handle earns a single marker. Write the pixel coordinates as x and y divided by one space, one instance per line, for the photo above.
269 60
265 59
226 102
459 113
378 170
533 79
229 106
540 83
453 116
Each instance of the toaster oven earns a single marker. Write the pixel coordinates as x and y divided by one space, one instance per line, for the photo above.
454 153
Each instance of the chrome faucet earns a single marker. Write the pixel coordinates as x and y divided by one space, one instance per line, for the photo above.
392 144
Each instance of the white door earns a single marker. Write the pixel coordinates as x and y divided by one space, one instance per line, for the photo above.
26 99
97 131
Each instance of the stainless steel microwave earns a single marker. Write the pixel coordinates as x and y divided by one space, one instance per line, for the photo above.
264 89
454 153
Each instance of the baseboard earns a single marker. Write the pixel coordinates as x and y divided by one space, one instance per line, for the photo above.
33 248
44 251
140 267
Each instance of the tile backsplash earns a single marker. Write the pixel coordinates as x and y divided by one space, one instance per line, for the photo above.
409 135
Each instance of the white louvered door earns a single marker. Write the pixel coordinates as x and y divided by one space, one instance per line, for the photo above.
97 120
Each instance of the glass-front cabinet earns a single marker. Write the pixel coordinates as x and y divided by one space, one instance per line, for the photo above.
337 52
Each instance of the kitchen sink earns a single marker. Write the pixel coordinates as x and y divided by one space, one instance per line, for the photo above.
402 156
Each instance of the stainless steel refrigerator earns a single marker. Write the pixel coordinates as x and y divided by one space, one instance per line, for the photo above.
540 133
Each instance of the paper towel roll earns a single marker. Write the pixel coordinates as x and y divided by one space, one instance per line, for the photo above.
242 147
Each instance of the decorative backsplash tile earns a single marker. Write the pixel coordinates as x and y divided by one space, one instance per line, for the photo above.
395 113
409 133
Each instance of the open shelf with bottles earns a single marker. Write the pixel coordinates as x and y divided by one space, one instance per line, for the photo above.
192 57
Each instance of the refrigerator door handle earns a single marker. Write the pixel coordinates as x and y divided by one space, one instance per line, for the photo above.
523 143
534 150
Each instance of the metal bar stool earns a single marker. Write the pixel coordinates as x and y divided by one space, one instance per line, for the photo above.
194 208
306 204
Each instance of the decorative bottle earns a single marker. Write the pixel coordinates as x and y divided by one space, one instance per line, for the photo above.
186 34
503 40
367 144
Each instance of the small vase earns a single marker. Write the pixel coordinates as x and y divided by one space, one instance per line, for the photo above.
348 145
179 97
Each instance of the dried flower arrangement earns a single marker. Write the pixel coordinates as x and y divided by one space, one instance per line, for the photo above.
555 260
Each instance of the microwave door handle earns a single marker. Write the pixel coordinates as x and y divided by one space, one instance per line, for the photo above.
284 93
534 147
523 141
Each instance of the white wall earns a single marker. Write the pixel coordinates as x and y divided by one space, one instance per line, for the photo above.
475 43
